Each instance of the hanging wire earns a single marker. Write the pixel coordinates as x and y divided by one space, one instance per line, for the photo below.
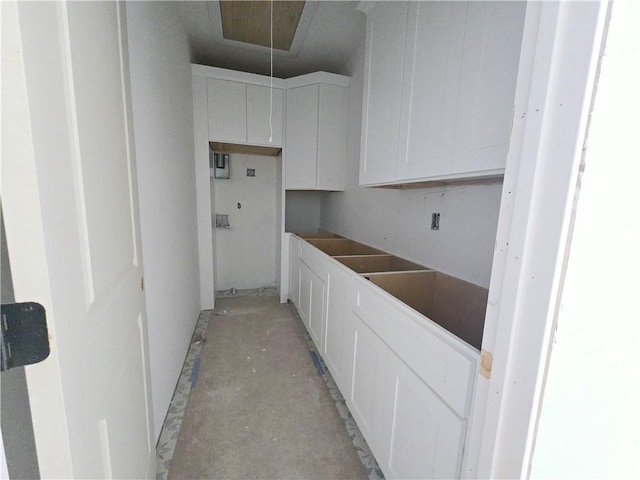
271 80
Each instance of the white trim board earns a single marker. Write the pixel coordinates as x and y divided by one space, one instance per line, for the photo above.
560 51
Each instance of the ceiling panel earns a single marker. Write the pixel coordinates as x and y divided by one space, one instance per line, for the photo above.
250 22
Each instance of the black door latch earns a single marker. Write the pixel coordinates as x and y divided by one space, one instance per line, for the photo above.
24 338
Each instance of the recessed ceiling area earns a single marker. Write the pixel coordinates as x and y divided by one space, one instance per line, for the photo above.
327 35
250 22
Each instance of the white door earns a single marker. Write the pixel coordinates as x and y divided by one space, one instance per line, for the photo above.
70 204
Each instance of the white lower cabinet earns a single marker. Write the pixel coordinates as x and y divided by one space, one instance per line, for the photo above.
367 397
425 438
338 332
312 297
407 381
404 375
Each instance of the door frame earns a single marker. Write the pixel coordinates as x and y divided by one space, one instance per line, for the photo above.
554 91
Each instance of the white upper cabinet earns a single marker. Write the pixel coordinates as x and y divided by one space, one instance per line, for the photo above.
487 86
316 132
438 90
264 115
227 106
243 108
301 142
383 67
432 77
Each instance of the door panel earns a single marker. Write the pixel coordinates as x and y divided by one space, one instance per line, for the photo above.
383 72
426 435
301 137
433 60
259 107
316 311
227 107
71 191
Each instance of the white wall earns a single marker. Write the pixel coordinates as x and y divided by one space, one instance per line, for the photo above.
399 221
302 211
246 252
163 126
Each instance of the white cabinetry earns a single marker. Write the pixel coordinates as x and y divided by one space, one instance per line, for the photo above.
244 113
312 296
227 107
383 66
407 381
411 388
316 133
262 103
337 349
444 110
313 291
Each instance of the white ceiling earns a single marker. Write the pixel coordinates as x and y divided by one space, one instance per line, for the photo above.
335 30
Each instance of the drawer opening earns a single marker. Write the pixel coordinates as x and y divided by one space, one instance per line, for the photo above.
454 304
343 246
379 263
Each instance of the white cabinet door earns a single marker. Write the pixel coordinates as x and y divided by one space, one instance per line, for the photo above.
487 85
383 71
338 332
301 137
452 67
312 299
433 61
227 105
294 270
367 397
317 309
332 137
264 112
426 437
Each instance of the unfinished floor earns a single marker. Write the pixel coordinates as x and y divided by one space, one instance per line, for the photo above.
259 408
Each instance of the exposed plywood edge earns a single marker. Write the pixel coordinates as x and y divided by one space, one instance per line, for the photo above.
454 304
343 246
246 149
248 22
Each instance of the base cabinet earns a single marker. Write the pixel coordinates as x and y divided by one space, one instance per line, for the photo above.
338 331
406 380
411 430
425 438
312 297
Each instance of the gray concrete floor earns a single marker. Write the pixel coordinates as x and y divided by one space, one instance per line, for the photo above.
259 409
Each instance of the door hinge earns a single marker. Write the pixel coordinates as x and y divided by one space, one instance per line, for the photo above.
24 338
486 362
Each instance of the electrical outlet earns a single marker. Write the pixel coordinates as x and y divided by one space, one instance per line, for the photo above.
435 221
251 172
